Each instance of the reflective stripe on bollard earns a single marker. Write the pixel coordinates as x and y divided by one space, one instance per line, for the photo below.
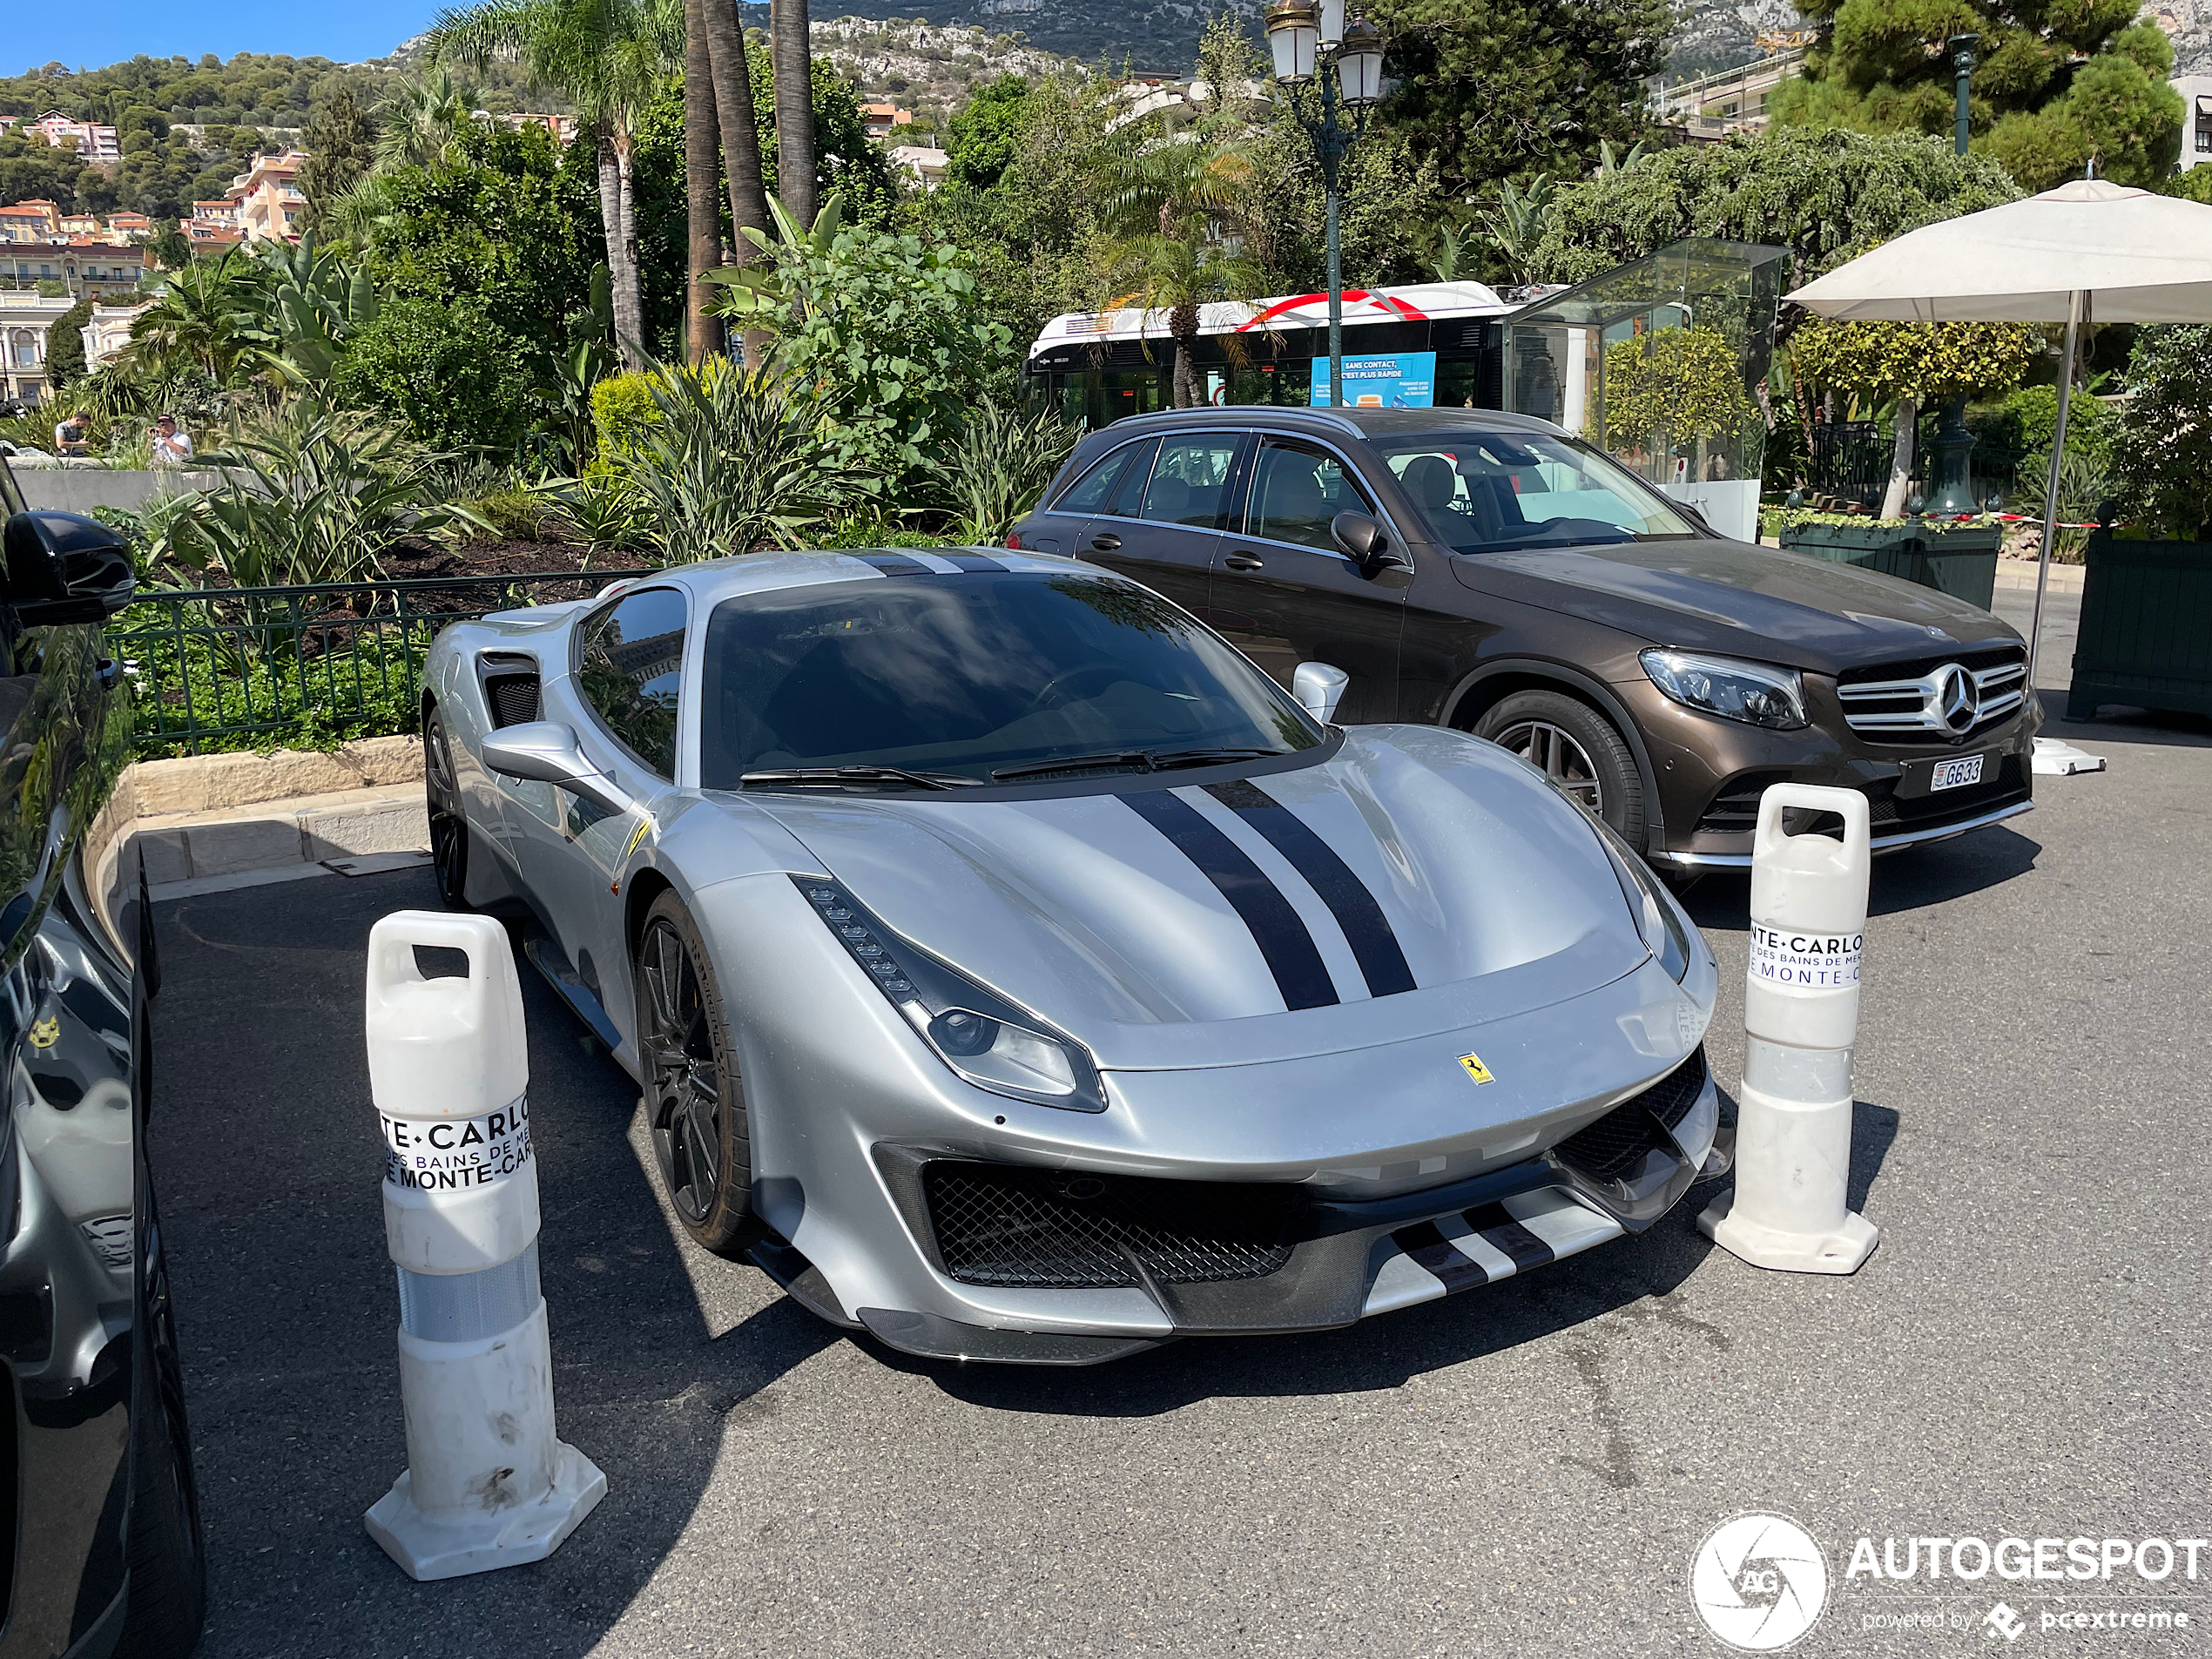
488 1483
1789 1207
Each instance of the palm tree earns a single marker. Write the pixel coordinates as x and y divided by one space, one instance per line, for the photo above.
740 141
792 56
202 317
1175 211
610 58
702 188
421 121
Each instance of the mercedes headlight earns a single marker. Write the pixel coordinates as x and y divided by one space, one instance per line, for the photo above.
1756 693
987 1039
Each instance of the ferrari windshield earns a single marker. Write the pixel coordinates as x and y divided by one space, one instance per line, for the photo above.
1485 492
967 679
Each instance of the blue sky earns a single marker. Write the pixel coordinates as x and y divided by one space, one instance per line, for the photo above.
86 36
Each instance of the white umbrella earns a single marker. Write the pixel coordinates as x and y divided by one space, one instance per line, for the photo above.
2130 255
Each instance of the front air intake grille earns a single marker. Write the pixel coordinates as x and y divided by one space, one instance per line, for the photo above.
1614 1147
1006 1225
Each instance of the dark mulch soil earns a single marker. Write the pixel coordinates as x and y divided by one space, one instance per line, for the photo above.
417 557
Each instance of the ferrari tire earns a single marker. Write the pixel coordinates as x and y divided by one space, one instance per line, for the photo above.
1577 748
694 1094
449 826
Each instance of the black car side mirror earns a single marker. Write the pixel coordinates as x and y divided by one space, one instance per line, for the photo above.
62 568
1368 545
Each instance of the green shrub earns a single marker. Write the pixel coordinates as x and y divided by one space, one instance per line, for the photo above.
451 374
2024 420
511 515
621 410
2162 444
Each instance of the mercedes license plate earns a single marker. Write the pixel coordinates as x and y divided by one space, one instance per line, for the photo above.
1956 774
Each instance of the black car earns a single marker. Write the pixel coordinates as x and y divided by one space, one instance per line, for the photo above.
1479 570
100 1522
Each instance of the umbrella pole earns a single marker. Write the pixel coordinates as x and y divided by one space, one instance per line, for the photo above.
2075 307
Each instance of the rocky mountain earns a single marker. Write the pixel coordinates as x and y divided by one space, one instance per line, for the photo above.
1153 37
1720 34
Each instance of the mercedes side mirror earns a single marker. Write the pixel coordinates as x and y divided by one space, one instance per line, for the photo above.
545 752
1319 688
1368 545
61 568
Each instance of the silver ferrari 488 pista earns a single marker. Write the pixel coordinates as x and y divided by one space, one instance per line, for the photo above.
1014 970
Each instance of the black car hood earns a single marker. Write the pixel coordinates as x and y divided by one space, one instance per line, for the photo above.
1746 601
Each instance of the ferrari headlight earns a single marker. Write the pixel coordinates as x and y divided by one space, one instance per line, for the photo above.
1756 693
985 1039
1666 930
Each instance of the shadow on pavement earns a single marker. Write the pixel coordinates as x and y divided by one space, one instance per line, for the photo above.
1911 880
2120 722
266 1144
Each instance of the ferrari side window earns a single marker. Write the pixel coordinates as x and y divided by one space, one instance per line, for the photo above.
631 663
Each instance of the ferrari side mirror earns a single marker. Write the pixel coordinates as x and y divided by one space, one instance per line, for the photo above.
546 751
1319 688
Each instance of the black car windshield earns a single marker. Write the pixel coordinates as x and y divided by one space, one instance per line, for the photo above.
1487 492
965 677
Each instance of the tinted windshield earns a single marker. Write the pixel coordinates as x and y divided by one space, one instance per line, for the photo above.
971 674
1484 491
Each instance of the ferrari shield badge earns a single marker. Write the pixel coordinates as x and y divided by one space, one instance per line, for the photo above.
1472 1065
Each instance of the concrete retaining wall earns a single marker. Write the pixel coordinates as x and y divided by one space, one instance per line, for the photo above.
79 489
199 816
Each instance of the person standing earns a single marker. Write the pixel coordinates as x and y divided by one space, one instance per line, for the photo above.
172 448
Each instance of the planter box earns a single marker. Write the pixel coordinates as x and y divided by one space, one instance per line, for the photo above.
1960 560
2146 632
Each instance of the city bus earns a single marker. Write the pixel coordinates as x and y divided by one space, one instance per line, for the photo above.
1437 344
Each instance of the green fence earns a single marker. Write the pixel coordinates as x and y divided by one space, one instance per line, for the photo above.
241 668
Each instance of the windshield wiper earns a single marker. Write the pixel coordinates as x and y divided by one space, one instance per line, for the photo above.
1135 759
770 776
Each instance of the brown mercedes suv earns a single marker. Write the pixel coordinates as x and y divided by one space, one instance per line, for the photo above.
1479 570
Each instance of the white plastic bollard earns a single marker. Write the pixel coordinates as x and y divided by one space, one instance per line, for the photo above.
1789 1207
488 1484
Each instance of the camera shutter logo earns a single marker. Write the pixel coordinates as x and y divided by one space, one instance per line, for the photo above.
1759 1582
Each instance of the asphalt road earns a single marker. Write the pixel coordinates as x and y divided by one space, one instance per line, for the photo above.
1525 1468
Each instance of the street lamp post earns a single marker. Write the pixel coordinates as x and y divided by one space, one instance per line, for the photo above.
1953 491
1312 44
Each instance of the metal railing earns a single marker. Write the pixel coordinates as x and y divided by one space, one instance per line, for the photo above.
231 667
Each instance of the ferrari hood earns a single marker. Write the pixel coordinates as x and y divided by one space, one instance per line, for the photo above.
1416 882
1755 601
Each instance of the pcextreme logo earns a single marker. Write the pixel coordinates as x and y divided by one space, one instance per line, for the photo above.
1759 1582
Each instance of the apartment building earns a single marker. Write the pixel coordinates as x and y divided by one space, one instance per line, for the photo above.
92 140
25 315
265 200
2196 119
1733 100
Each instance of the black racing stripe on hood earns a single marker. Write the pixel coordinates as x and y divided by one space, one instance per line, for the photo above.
974 563
892 563
1382 962
1290 953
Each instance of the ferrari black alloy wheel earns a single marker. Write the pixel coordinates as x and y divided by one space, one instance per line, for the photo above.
694 1096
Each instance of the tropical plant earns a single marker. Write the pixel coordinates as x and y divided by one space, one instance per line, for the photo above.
610 57
737 459
201 317
998 465
340 142
313 494
602 509
1523 216
883 324
421 121
311 302
1914 363
2086 491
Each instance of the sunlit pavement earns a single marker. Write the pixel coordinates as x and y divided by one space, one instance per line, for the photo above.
1524 1468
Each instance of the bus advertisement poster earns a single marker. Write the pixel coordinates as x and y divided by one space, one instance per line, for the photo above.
1402 380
